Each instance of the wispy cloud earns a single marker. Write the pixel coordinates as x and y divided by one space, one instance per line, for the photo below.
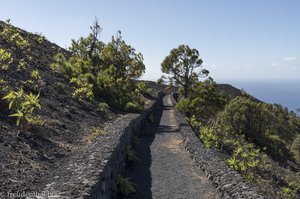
290 58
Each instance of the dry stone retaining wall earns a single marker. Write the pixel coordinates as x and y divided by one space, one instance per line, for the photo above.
92 172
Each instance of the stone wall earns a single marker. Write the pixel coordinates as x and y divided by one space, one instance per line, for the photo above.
228 181
92 172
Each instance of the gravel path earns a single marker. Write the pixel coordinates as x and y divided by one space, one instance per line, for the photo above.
165 170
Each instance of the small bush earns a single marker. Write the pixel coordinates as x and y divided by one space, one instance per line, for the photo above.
244 158
209 137
295 148
98 132
83 90
130 154
133 107
41 39
35 75
5 59
23 105
103 107
3 87
125 187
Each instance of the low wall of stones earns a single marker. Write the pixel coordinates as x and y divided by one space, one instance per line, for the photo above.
228 181
92 173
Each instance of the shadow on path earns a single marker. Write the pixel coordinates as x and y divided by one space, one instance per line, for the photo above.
139 172
164 169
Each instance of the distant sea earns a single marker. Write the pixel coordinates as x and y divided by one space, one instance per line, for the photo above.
284 92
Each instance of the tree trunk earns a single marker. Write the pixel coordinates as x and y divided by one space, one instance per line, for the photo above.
186 87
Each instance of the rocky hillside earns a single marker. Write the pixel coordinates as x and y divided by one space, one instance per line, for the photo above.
31 151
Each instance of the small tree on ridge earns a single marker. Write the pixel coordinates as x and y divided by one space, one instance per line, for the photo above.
182 63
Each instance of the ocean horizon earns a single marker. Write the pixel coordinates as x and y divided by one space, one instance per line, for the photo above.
284 92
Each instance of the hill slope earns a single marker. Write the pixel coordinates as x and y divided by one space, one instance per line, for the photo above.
30 152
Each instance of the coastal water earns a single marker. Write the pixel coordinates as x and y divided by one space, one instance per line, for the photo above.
284 92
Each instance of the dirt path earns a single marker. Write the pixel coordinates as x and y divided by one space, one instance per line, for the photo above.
165 169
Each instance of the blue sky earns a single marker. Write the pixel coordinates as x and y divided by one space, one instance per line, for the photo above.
237 39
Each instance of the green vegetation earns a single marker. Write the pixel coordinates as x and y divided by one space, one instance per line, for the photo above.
253 134
203 102
182 64
125 187
245 158
83 90
19 44
295 148
5 59
41 39
103 107
104 71
130 154
209 137
160 80
35 75
23 105
98 132
266 125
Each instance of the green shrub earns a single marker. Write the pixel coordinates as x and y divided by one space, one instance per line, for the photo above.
103 107
36 82
22 64
23 105
5 59
244 158
72 67
269 126
203 102
295 149
209 137
98 132
18 46
142 87
104 71
133 107
119 93
83 90
35 75
3 87
41 39
124 186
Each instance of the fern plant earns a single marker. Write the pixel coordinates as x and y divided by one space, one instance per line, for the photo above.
23 105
